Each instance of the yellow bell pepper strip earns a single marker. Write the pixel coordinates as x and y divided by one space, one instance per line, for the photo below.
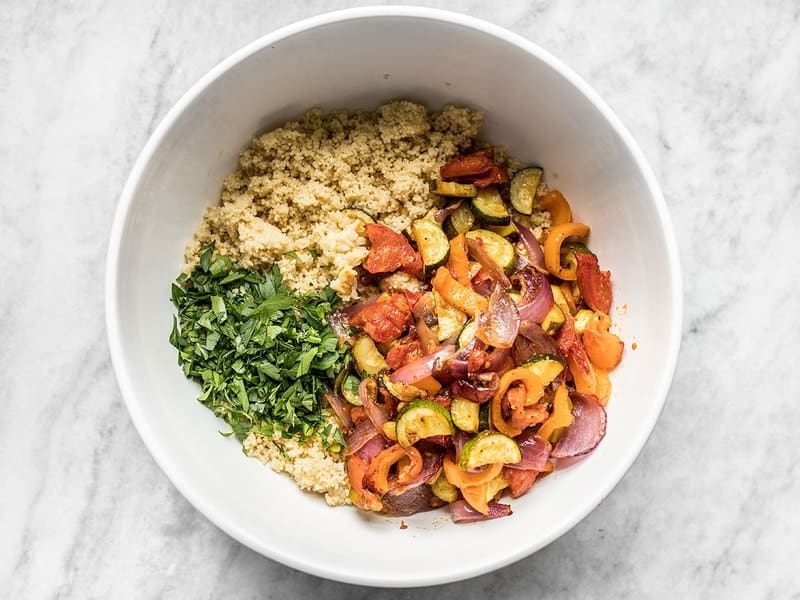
552 248
581 368
458 261
461 478
602 388
561 415
533 387
460 296
558 207
377 476
603 348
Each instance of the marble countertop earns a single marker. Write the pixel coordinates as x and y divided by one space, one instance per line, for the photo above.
710 509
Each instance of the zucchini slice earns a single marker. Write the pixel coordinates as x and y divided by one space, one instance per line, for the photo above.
349 389
582 318
465 414
467 333
455 189
422 419
568 251
404 392
433 245
443 489
545 366
451 320
553 320
460 221
489 207
507 231
488 448
523 189
368 359
499 249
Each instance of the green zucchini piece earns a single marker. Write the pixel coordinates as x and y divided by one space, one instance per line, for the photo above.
507 231
433 245
443 489
545 366
349 389
523 189
455 189
553 320
450 319
568 252
368 359
422 419
465 414
488 448
460 221
582 318
499 249
402 391
467 333
489 207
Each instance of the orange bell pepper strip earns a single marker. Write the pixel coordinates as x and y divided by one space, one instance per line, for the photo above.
533 387
552 248
561 415
364 499
603 348
475 495
581 369
458 261
376 477
409 466
462 479
462 297
558 207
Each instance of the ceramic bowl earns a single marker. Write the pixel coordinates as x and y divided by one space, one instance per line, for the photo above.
537 107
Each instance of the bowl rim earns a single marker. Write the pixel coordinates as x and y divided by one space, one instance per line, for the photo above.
125 377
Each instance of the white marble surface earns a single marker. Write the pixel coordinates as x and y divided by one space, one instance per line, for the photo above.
710 509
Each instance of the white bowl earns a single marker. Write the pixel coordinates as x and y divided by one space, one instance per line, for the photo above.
539 109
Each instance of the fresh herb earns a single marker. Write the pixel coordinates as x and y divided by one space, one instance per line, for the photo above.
262 353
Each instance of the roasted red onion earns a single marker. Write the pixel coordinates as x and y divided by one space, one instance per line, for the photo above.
446 371
531 250
498 326
352 310
368 394
445 212
535 451
587 429
432 458
478 391
477 252
537 296
419 369
532 339
461 512
340 408
362 434
424 312
414 500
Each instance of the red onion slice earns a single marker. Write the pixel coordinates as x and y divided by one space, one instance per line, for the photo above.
480 391
461 512
535 451
537 296
414 500
498 326
340 408
587 430
421 368
445 212
477 252
532 250
532 339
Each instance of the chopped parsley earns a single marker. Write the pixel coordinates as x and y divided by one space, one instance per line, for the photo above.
263 354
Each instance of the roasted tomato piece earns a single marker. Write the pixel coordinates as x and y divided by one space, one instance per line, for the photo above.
566 335
385 320
405 351
390 251
594 284
477 168
519 480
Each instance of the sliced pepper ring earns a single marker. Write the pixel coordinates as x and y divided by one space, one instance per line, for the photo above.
552 248
533 387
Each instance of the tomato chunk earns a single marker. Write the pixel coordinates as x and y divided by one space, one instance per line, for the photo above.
385 320
405 351
477 168
519 480
390 251
594 284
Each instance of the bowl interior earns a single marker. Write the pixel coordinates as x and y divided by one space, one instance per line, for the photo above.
542 115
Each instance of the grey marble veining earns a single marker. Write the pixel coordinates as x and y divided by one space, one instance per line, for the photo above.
710 509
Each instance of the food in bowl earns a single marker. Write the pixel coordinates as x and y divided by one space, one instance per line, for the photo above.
389 345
